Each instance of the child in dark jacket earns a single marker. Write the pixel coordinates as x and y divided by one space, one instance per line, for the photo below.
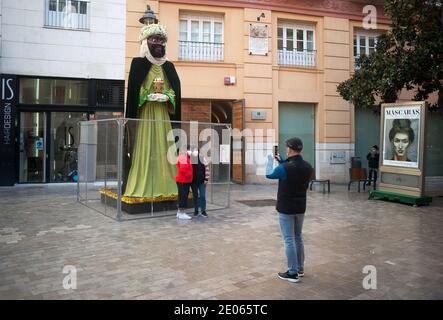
200 173
183 180
373 158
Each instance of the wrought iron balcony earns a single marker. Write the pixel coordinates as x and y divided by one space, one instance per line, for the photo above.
305 58
200 51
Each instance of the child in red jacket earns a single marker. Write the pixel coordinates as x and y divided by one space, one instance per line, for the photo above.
184 180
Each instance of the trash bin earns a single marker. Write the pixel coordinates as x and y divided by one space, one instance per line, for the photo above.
355 162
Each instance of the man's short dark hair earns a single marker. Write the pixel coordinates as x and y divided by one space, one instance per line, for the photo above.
295 144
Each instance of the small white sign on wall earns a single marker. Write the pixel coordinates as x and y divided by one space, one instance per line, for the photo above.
225 153
258 39
258 115
39 144
338 157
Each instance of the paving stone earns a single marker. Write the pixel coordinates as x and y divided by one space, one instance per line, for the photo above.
233 254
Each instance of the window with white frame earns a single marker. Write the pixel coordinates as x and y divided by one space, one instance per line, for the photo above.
296 44
364 43
201 37
69 14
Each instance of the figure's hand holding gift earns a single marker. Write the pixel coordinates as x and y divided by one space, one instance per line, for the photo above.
158 97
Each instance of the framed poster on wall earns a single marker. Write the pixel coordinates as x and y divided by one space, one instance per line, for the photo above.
402 135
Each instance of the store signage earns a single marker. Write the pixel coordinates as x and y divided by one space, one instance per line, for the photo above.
7 129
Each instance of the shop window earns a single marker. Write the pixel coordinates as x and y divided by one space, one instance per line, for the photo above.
53 91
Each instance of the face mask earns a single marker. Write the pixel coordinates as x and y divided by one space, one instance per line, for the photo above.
195 153
157 50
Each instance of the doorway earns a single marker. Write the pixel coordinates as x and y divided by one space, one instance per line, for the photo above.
232 112
297 120
32 147
367 132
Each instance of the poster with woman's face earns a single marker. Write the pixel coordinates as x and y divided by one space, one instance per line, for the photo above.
401 136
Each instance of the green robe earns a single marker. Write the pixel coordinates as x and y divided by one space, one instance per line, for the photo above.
151 174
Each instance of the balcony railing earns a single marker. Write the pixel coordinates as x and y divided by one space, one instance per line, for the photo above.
200 51
305 58
69 14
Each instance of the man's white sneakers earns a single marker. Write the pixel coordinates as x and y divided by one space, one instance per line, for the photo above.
183 215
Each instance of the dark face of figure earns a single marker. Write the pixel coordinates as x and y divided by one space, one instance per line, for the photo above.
157 46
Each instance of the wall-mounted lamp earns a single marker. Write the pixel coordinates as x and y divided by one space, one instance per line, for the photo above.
149 17
261 16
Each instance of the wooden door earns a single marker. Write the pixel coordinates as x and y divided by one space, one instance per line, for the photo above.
238 142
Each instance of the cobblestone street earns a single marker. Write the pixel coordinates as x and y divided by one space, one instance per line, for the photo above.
233 254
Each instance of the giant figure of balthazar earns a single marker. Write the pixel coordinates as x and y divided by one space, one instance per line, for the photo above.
153 94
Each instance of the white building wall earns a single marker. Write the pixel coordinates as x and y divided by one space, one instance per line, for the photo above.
30 48
1 33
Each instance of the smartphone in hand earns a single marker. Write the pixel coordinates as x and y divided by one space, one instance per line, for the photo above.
275 151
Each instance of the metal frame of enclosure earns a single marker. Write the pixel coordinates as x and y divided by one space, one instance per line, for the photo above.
102 157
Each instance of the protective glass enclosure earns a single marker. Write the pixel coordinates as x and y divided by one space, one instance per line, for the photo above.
127 167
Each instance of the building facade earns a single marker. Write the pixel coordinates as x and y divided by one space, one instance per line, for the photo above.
267 65
61 61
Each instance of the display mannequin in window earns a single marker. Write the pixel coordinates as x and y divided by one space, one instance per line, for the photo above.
154 94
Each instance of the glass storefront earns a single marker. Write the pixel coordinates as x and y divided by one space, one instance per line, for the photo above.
32 147
49 144
53 91
64 144
48 111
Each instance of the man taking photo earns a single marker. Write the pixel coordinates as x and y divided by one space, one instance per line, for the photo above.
294 175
